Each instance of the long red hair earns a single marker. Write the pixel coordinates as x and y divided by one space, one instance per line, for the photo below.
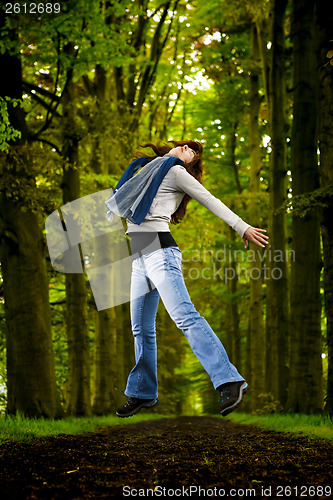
195 168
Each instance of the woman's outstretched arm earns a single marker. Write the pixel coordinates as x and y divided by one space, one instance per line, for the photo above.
188 184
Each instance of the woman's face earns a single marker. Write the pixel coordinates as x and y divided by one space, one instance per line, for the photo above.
183 153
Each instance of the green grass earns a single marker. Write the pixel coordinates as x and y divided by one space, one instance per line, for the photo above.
18 428
312 426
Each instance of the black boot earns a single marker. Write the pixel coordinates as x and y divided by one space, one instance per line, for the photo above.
232 395
134 405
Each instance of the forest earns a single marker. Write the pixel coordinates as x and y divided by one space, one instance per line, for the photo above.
86 82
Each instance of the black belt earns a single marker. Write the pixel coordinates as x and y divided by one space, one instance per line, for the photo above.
142 243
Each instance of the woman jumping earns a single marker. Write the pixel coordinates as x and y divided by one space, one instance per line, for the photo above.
150 200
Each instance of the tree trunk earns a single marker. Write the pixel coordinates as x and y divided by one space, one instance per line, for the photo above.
108 352
247 373
227 323
256 307
233 312
325 73
31 380
234 334
76 290
277 319
305 388
231 155
106 362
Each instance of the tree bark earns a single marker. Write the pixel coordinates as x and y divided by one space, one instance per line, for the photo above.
108 340
76 291
305 385
106 363
233 282
256 307
325 113
277 318
31 383
109 350
235 342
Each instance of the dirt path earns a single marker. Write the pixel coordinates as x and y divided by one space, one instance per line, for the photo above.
174 456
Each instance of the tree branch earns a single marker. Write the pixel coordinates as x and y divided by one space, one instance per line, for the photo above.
161 48
46 141
157 9
49 118
155 54
30 86
45 105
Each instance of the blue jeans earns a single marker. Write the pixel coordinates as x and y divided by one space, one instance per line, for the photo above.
159 274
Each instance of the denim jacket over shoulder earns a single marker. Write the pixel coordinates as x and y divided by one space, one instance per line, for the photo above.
133 196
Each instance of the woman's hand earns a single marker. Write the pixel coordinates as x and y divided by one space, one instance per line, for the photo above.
256 235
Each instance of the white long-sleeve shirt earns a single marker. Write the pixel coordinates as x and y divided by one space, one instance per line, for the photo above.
170 193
